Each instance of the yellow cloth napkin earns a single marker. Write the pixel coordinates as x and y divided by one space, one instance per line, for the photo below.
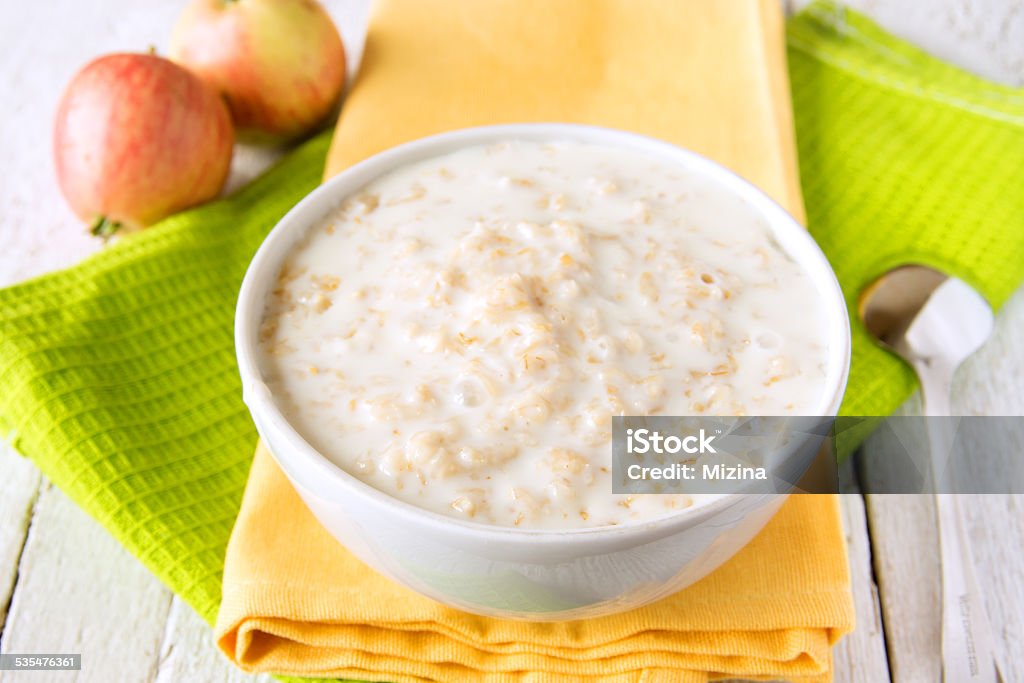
296 602
706 75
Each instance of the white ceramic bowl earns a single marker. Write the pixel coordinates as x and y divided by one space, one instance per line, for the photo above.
508 572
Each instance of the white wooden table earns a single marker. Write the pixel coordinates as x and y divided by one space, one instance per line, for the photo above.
67 586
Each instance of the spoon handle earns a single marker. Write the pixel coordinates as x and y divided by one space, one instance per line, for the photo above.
967 648
968 654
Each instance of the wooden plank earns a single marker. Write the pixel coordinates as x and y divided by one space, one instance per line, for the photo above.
189 654
79 591
19 486
995 525
860 657
906 563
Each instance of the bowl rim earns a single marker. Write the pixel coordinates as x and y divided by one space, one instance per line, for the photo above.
794 239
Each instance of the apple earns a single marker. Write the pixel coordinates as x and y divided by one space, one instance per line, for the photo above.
280 64
137 138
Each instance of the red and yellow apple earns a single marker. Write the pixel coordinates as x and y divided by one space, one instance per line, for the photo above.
280 64
137 138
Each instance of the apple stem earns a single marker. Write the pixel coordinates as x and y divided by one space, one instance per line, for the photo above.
104 227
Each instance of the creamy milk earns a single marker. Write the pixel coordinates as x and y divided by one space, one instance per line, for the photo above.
459 333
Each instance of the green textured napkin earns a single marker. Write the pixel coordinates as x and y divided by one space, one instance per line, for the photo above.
904 159
117 377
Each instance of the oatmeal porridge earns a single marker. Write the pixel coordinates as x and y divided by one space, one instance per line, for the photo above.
459 333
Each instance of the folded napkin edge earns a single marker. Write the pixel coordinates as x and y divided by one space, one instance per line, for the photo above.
829 610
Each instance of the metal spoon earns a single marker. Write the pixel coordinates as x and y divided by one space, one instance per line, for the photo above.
935 322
